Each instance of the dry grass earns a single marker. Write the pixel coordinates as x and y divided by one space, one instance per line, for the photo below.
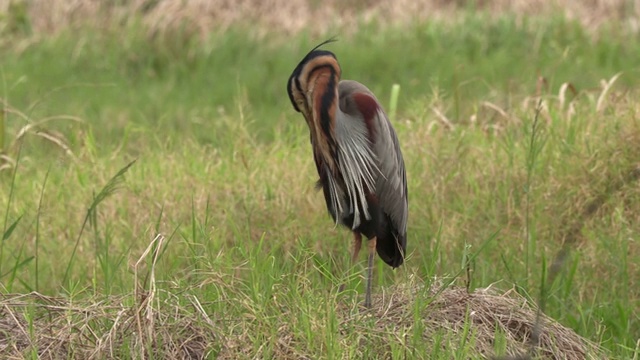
10 145
158 324
291 17
56 328
485 312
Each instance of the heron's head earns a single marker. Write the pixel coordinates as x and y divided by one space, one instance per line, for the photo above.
313 86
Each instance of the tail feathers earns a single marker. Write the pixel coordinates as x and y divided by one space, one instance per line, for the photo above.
392 248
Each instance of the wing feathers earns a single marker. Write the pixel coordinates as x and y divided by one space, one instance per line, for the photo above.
369 160
357 164
391 188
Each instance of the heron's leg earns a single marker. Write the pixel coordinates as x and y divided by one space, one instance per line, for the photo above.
372 253
357 244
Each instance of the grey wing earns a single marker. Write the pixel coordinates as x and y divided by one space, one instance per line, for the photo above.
391 185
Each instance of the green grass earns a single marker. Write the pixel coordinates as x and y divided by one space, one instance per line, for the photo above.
224 170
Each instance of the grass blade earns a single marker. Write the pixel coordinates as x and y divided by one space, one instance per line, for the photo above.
6 232
2 130
37 240
11 228
109 189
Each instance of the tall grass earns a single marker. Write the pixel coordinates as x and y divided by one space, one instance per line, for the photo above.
503 165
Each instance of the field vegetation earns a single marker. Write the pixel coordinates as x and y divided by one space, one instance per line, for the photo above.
157 189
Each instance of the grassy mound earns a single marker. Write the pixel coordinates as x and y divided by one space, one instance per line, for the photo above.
490 322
